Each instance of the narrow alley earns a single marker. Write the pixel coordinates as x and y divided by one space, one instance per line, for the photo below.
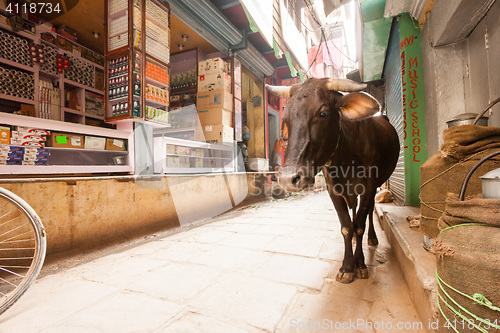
266 268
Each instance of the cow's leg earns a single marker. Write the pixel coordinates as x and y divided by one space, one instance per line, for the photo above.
346 273
353 209
372 236
366 205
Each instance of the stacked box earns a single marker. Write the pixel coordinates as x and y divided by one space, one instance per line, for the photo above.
214 81
12 155
29 137
36 156
218 134
213 65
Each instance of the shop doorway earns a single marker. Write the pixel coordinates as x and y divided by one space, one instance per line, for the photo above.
273 119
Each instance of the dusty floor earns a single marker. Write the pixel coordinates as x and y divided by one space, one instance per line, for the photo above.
270 268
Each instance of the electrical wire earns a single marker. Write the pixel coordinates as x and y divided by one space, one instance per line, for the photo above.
311 12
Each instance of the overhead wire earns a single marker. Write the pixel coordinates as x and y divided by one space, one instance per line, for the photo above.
313 15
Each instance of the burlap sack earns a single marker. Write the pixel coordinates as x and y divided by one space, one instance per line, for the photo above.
474 210
444 171
468 260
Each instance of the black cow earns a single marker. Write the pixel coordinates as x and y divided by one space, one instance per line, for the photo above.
356 150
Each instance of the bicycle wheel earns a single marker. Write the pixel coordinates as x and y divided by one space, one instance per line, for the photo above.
22 247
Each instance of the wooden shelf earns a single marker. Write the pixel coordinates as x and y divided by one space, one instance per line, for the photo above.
76 149
155 103
117 14
79 85
63 169
18 99
94 116
73 111
17 65
19 33
156 83
193 87
71 53
60 126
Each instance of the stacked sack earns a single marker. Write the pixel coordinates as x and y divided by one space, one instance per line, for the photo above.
468 244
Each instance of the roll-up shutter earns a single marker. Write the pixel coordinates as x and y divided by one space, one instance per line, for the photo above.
203 17
394 105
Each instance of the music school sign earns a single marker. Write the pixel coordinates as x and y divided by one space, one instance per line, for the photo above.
415 152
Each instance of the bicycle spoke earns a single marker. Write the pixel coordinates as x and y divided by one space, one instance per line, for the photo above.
11 272
19 258
12 211
15 285
8 232
14 237
17 248
22 243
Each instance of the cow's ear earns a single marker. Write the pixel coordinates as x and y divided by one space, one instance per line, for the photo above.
359 105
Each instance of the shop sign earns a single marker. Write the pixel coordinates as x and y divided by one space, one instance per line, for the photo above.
415 152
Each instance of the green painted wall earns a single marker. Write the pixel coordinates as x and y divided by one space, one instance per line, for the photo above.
415 153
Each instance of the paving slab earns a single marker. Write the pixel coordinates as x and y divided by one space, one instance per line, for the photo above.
268 268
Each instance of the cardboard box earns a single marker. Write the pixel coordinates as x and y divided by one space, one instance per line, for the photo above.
32 130
184 162
215 116
95 143
61 140
198 152
218 133
171 149
28 110
27 143
215 99
213 65
115 144
4 135
183 150
173 161
215 81
27 136
197 163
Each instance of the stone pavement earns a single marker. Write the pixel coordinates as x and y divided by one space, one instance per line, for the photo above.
269 268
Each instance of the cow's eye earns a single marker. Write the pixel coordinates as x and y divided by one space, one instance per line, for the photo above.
322 114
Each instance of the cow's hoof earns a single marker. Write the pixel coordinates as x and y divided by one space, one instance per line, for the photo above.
372 241
361 273
346 277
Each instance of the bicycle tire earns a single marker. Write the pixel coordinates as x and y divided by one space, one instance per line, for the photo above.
39 250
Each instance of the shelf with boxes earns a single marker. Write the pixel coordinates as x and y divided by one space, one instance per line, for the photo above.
124 73
137 71
39 85
173 155
40 146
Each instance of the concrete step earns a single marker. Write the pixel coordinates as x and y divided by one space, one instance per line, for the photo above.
418 265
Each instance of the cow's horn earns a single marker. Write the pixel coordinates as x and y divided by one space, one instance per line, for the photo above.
280 91
344 85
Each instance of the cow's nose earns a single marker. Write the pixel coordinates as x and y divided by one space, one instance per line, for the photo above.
296 178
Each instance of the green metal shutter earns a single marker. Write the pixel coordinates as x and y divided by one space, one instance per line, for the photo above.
394 106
